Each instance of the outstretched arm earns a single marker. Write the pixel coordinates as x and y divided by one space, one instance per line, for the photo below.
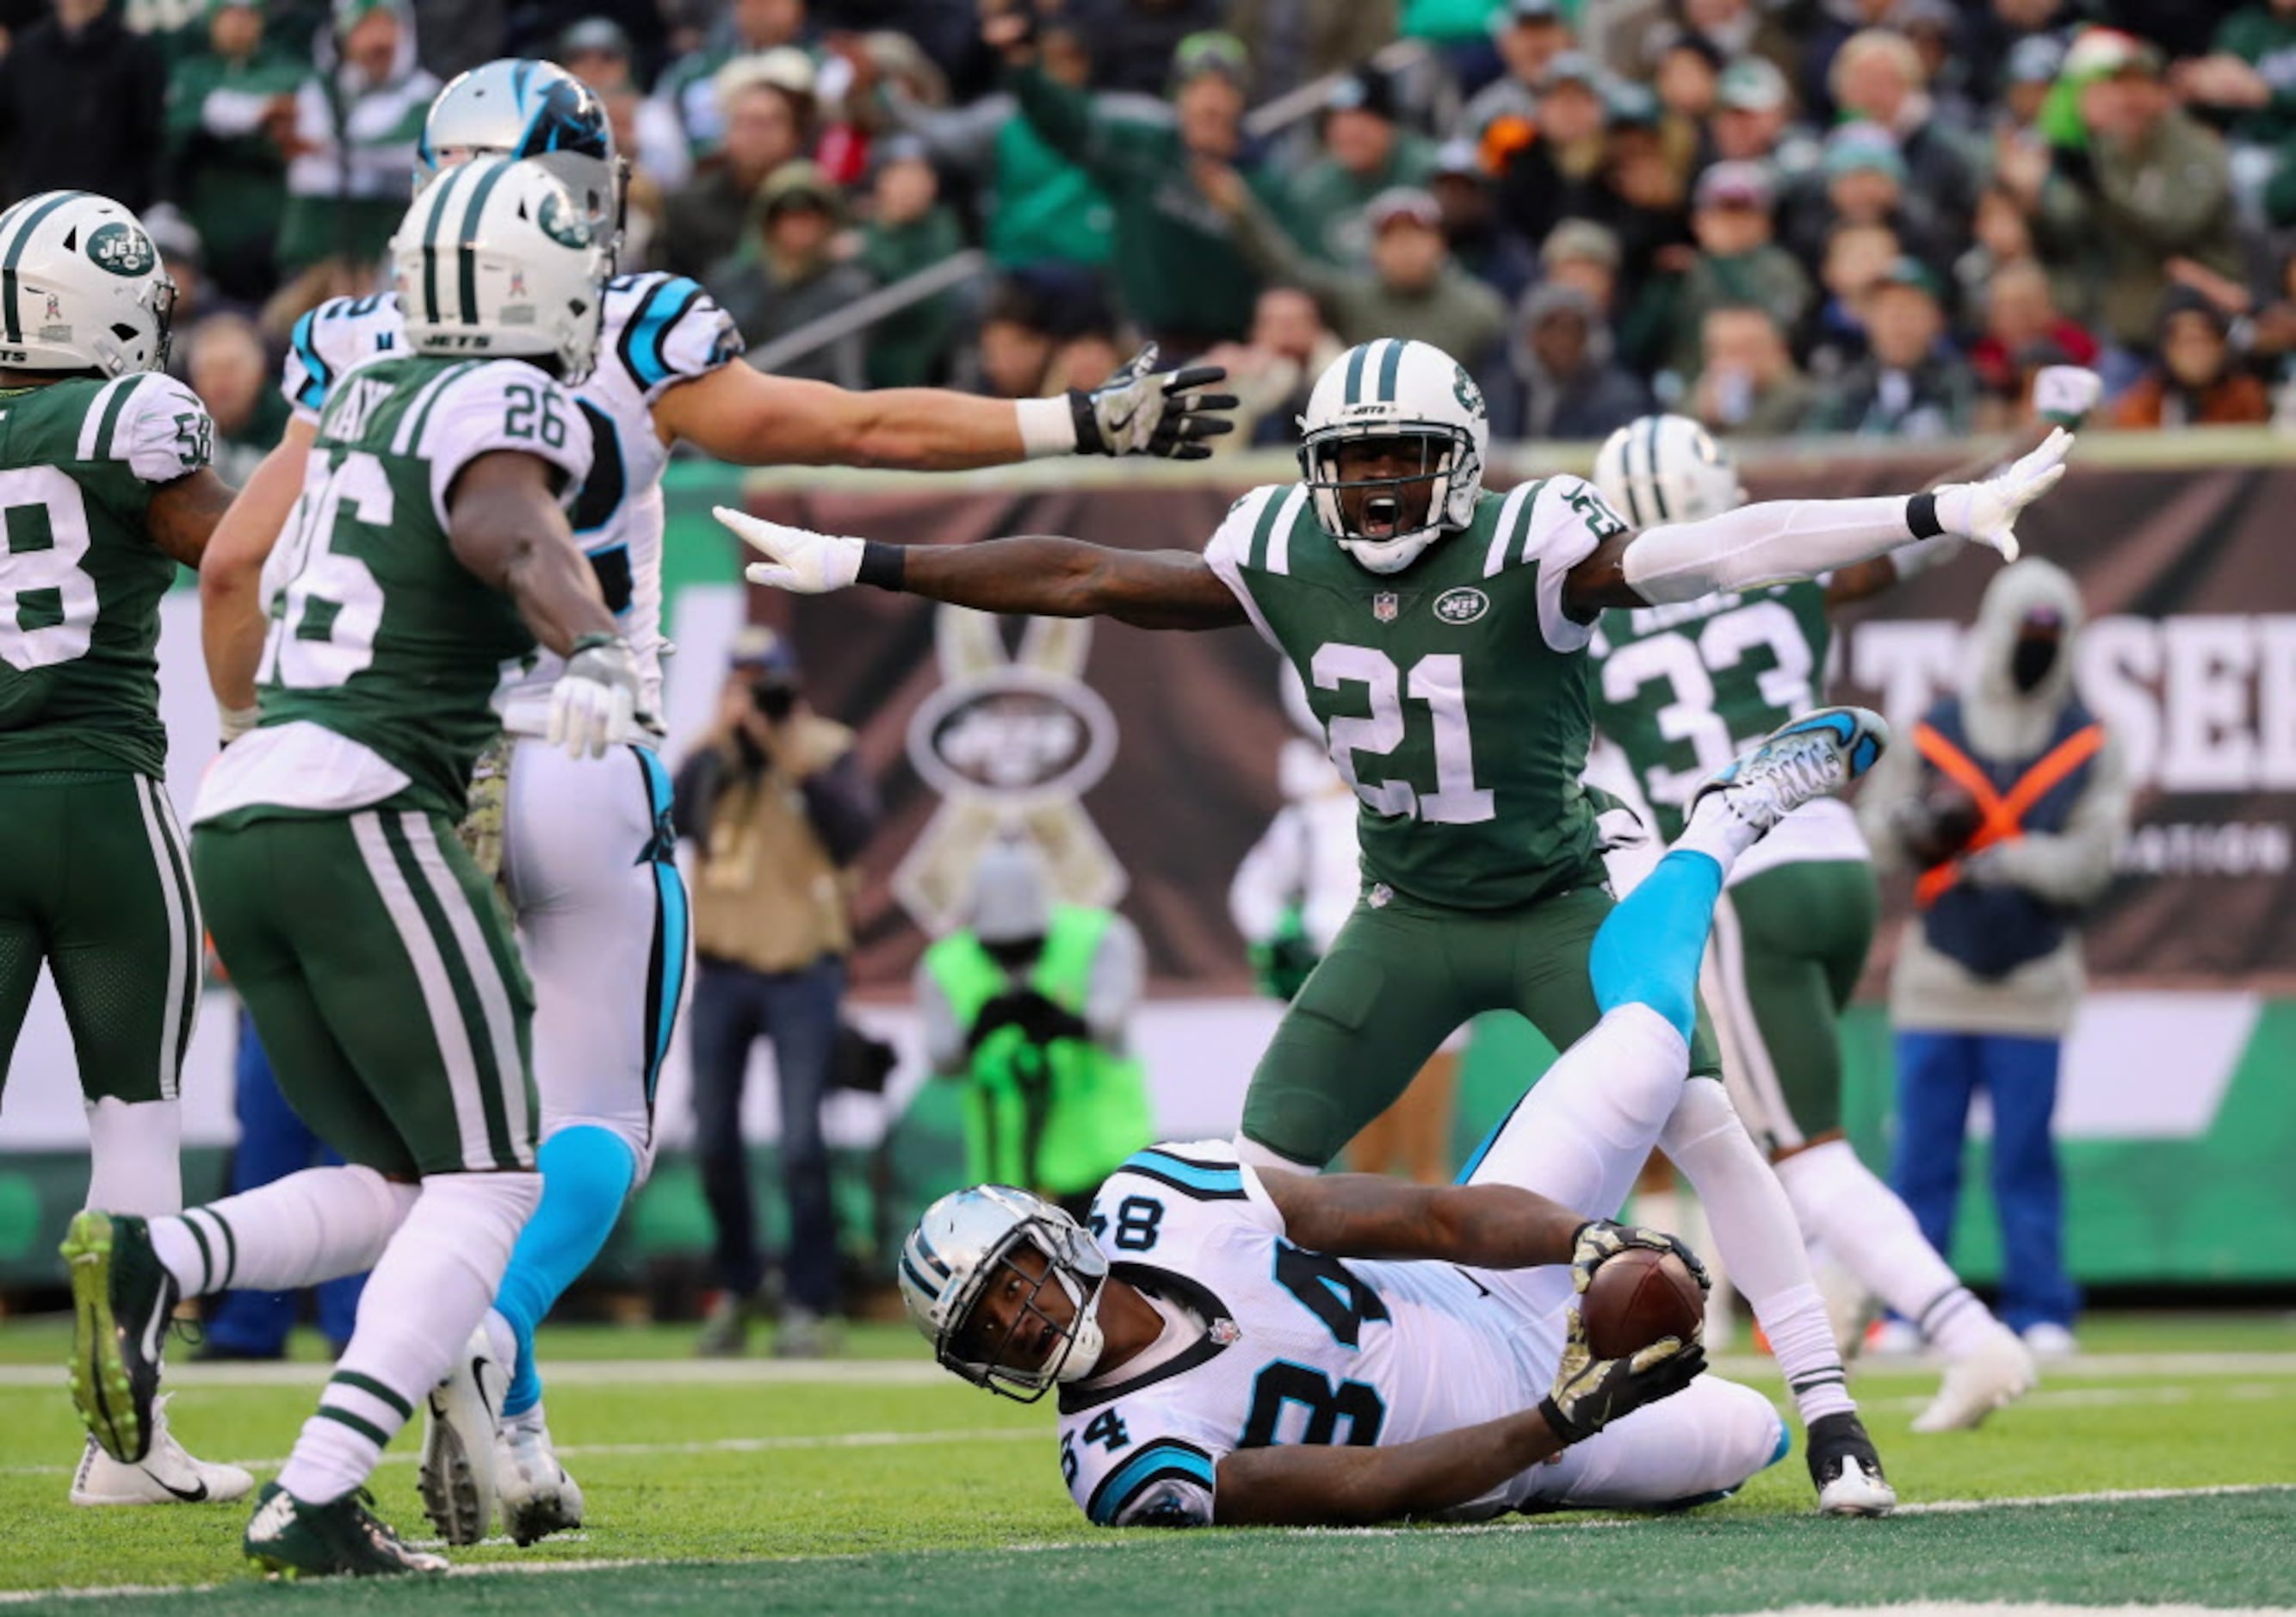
742 414
1052 578
1781 540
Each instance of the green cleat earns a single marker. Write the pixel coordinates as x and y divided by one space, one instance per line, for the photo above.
341 1538
122 1300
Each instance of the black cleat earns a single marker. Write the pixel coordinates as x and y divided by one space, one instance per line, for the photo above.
1846 1471
122 1299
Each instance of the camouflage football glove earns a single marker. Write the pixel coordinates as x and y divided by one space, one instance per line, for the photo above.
1589 1392
1144 411
1598 1239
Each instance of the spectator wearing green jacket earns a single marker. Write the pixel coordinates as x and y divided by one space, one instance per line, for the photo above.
1364 153
910 229
357 119
1178 273
1739 261
230 117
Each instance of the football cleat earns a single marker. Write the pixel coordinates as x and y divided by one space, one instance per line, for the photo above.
1819 753
166 1474
122 1300
1998 1372
538 1499
341 1538
456 1477
1845 1468
2049 1340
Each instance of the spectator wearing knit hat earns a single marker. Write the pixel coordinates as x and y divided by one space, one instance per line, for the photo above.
1879 76
766 105
790 274
1504 114
1362 151
2198 380
1910 385
1738 260
1557 379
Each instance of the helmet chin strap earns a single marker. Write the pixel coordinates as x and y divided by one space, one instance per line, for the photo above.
1392 555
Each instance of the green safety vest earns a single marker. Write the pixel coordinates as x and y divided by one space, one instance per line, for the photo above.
1055 1120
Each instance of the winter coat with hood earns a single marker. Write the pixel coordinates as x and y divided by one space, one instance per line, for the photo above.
2067 869
350 187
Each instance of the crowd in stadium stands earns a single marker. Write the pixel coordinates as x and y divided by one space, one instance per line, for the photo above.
1870 216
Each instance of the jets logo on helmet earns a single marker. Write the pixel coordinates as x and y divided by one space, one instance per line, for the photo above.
1667 469
519 107
105 303
479 272
1392 450
974 1275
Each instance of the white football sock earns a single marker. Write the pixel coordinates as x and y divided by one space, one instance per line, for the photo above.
431 1286
1872 1234
1716 831
294 1232
134 1153
1582 1133
1758 1235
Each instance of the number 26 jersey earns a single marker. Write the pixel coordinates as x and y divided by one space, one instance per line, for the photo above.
1275 1344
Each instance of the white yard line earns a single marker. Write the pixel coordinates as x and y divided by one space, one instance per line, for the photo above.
1543 1524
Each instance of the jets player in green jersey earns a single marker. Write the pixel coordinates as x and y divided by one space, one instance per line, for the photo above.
1677 689
1439 630
431 551
105 490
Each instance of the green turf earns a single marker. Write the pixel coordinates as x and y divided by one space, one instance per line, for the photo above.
932 1487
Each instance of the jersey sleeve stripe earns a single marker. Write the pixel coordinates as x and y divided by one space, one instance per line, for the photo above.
1495 558
1166 1457
114 399
316 376
1194 1179
1255 555
659 369
91 424
645 337
1279 541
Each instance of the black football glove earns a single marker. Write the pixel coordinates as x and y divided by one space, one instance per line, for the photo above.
1601 1238
1589 1392
1144 411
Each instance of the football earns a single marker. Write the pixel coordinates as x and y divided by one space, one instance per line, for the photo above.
1637 1297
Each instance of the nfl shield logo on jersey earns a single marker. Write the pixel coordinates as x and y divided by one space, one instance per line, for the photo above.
1385 605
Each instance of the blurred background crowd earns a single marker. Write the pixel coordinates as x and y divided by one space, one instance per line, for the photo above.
1869 216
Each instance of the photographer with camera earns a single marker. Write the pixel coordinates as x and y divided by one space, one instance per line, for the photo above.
775 799
1029 1004
2007 808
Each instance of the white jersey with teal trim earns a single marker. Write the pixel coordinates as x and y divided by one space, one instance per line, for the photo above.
659 330
1266 1343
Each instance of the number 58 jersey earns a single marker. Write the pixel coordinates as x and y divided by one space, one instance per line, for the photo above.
1266 1343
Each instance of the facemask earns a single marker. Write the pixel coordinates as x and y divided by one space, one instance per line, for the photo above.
1088 1342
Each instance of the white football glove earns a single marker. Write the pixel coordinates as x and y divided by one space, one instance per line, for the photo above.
798 559
1986 513
2064 394
595 699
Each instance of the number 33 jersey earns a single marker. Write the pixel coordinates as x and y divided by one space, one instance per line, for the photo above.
1453 695
656 331
1265 1343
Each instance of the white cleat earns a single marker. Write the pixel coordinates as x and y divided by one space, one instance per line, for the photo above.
538 1499
1810 757
456 1478
1997 1373
167 1474
2050 1341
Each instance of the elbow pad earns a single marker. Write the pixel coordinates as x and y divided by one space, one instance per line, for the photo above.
1776 542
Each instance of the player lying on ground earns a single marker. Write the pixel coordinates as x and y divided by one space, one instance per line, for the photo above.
106 460
601 908
1673 686
432 554
1236 1345
1439 630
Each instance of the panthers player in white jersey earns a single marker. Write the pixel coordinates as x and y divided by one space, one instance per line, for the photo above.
586 850
1239 1346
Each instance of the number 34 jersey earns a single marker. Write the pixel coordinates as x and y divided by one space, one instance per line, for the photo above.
1453 695
80 579
1269 1343
656 332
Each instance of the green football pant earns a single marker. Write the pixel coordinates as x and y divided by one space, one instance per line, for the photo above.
385 983
1394 983
94 880
1787 949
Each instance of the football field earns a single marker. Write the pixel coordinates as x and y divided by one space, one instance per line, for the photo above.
2159 1468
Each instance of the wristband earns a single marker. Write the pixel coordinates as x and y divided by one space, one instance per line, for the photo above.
1558 1424
1048 426
882 565
1922 517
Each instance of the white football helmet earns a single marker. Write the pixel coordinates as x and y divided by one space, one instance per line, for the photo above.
1667 469
81 287
523 107
1391 389
496 258
960 1247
